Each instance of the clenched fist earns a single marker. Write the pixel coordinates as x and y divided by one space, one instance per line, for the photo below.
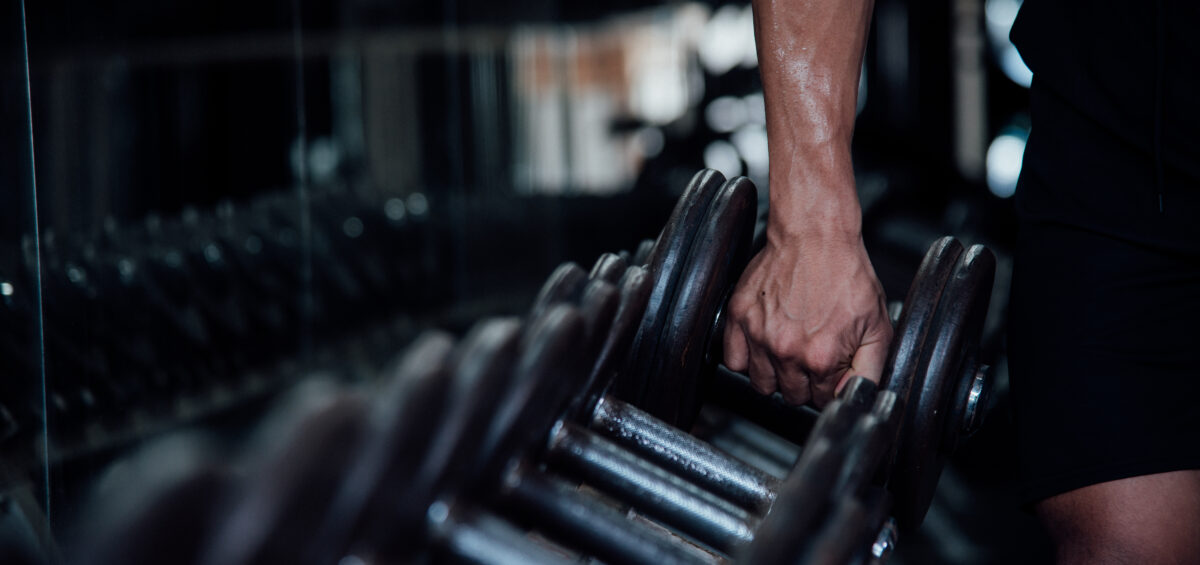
807 314
809 311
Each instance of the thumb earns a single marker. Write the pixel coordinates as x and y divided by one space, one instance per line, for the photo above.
737 351
868 363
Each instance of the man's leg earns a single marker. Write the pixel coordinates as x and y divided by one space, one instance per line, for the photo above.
1148 519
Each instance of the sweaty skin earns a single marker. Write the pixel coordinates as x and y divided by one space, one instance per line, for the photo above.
809 312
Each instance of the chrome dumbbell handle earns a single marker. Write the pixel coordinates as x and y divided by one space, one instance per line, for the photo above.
685 455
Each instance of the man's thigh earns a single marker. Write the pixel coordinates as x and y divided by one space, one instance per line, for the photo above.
1145 519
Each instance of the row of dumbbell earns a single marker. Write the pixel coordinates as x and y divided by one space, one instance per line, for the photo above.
464 449
531 416
143 314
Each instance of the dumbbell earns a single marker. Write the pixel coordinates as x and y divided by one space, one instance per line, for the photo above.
933 377
941 365
717 219
657 442
295 464
156 506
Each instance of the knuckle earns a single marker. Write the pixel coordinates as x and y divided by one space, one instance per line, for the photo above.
795 384
795 390
740 302
760 386
825 356
785 346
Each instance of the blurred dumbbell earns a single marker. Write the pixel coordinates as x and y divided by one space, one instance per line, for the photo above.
156 506
294 466
417 442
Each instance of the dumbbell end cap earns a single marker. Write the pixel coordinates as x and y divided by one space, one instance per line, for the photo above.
976 403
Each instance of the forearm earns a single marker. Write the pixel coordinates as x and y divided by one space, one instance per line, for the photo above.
808 312
810 55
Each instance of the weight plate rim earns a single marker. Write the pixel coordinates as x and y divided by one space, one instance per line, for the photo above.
665 263
904 353
718 256
544 375
603 375
954 336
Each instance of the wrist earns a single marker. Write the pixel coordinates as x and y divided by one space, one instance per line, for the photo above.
815 204
814 231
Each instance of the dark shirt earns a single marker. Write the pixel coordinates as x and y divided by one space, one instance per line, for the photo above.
1119 85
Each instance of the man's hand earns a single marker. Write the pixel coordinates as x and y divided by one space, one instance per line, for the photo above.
809 311
807 315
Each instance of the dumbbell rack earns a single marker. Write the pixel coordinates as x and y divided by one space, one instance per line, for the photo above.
153 325
564 435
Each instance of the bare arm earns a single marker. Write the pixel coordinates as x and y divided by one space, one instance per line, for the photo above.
809 311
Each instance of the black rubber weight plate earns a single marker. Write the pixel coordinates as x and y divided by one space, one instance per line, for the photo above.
839 417
796 514
642 254
869 445
920 305
397 437
284 500
599 306
480 371
157 507
717 258
804 499
548 370
953 339
666 263
564 285
850 532
609 267
635 292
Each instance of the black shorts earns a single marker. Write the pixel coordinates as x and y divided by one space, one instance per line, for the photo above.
1104 335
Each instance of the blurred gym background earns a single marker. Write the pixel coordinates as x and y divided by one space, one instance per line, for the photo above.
232 195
